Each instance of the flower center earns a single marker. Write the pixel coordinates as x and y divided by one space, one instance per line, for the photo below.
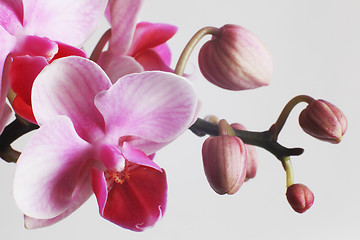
118 177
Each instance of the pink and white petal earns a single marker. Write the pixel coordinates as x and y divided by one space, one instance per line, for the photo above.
68 87
149 35
68 21
50 169
164 52
117 66
7 45
99 186
157 106
81 194
111 157
124 16
137 156
139 202
5 114
11 12
151 60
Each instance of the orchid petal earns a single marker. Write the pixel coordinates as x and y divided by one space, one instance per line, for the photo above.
138 202
68 87
67 50
35 46
157 106
67 21
23 72
50 169
117 66
111 157
7 44
81 194
5 114
11 12
138 157
99 186
24 109
149 35
151 60
124 16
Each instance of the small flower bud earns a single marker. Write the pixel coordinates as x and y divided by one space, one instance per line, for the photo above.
299 197
323 121
224 160
251 158
235 59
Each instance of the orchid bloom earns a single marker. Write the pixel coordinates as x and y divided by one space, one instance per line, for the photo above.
35 32
138 46
98 137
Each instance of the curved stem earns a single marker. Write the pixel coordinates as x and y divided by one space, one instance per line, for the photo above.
184 57
279 124
100 46
289 171
260 139
11 132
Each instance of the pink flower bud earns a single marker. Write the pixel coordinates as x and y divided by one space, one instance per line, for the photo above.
299 197
235 59
224 159
251 158
323 121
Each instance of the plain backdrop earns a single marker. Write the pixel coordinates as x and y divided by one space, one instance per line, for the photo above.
316 50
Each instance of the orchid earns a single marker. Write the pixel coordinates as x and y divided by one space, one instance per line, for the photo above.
35 32
138 46
98 137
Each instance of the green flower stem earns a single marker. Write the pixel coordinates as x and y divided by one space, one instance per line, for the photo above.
289 171
184 57
260 139
13 131
279 124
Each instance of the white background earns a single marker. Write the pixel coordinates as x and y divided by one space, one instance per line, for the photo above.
316 50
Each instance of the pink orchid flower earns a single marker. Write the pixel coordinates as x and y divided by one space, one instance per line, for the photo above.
138 46
35 32
98 137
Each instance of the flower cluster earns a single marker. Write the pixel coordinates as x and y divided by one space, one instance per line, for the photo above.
100 119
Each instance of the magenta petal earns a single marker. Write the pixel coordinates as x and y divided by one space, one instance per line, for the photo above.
68 87
51 168
67 21
99 186
35 46
157 106
138 157
149 35
111 157
139 202
11 12
23 71
124 14
151 60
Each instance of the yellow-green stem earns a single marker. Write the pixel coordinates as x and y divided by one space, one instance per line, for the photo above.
184 57
289 171
280 122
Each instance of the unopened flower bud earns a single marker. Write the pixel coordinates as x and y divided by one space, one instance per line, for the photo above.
235 59
251 158
224 159
299 197
323 121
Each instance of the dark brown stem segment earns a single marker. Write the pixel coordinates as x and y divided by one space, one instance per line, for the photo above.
261 139
13 131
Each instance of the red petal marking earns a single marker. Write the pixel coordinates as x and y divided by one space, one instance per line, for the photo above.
22 73
139 201
23 109
67 50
